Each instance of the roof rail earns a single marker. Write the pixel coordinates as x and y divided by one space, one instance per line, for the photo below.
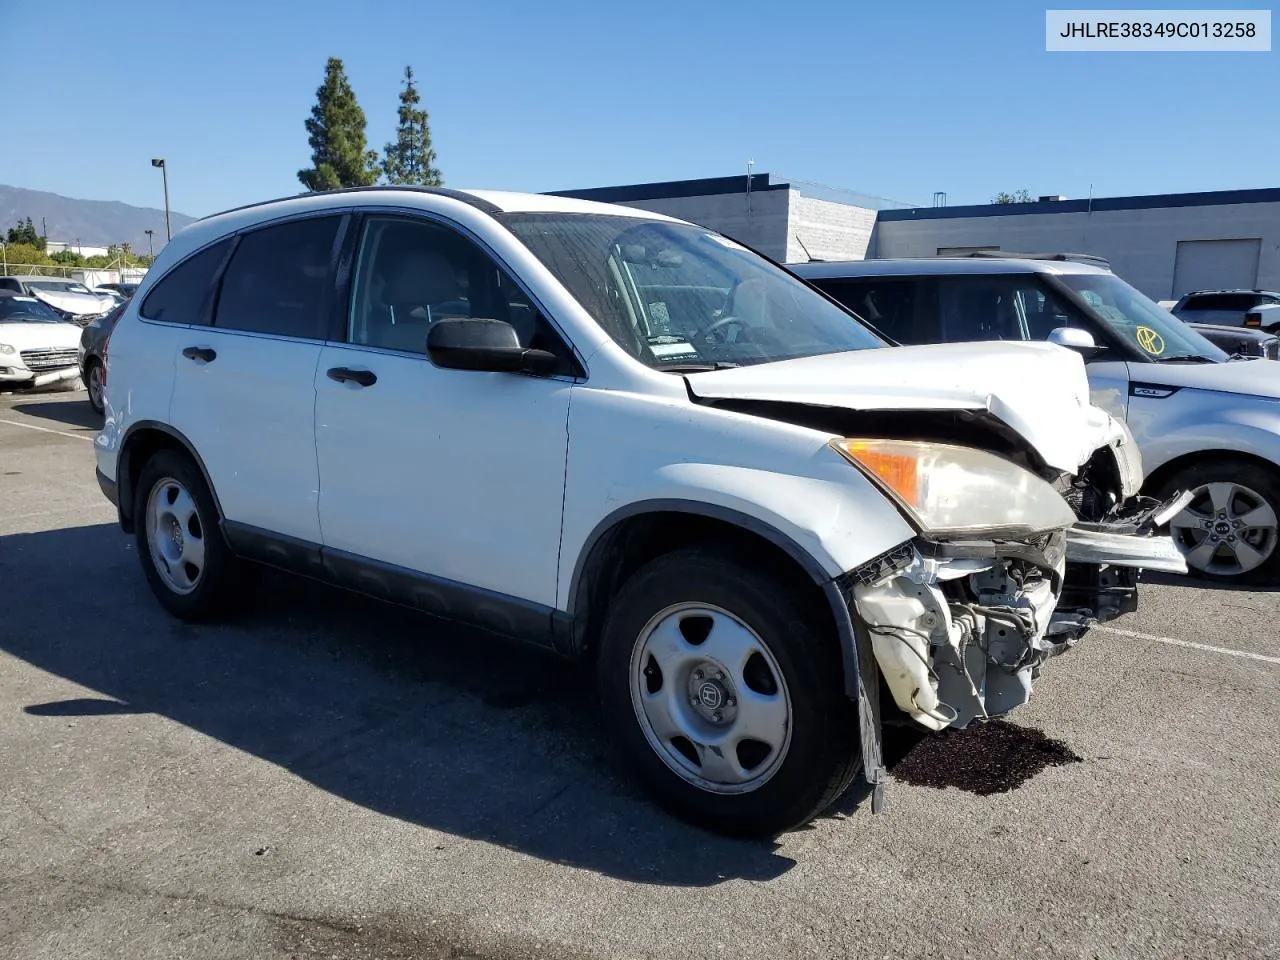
468 198
1010 255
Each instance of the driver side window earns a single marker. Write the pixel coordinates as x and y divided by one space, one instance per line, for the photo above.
411 273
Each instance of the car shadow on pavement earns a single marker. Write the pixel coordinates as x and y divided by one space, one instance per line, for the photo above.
396 712
68 412
1200 583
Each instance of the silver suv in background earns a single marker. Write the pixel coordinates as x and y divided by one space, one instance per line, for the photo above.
1259 309
1205 421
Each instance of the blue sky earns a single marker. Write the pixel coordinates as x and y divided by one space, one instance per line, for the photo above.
896 99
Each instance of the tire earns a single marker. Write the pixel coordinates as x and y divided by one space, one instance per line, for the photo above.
92 376
196 585
1235 498
689 609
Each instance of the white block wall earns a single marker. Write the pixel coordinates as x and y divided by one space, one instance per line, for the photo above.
763 227
830 231
1142 245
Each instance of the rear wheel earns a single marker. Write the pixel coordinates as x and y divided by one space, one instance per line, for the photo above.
93 383
1231 530
188 564
724 692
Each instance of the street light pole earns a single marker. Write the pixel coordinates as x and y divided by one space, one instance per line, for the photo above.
164 171
151 250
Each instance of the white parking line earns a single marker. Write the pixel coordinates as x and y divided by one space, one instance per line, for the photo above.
1187 643
61 433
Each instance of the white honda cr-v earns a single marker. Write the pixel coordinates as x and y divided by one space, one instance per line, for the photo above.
630 439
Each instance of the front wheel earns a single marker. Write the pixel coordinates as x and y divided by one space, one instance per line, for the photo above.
723 690
1231 529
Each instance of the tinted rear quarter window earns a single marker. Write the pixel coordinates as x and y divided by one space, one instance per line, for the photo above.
903 310
1221 301
181 295
279 280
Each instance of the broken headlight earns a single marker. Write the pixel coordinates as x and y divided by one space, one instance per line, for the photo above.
945 489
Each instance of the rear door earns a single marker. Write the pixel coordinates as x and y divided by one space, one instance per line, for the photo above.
244 390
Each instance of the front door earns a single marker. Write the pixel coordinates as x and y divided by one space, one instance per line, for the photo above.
442 487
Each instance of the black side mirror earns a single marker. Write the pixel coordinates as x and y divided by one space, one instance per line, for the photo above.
469 343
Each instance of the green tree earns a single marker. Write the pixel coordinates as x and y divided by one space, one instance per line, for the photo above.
25 232
67 258
336 133
409 158
24 253
1020 196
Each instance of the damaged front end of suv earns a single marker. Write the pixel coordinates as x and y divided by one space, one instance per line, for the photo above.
961 619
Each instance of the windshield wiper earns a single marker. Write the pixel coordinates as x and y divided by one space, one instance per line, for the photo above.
1189 358
698 367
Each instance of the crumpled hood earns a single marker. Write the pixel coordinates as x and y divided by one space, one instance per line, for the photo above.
1253 377
1041 390
81 304
39 336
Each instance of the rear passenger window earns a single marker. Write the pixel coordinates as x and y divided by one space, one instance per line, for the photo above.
1220 301
279 280
181 295
900 309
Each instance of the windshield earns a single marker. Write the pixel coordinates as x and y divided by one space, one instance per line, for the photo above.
26 309
673 294
1158 334
58 286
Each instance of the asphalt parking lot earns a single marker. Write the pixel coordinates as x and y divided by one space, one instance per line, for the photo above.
328 777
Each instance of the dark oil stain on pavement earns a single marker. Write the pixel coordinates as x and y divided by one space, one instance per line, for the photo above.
985 758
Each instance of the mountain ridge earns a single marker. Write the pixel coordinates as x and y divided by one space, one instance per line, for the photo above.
97 223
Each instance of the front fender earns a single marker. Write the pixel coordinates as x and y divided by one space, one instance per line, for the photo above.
1195 421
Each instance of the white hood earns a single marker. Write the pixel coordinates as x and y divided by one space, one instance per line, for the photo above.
37 335
1041 390
1258 378
81 304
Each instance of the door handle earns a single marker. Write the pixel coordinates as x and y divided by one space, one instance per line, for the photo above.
366 378
207 354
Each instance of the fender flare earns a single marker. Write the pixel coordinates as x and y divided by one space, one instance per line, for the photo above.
124 485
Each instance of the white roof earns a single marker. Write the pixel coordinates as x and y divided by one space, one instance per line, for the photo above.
938 266
220 224
510 202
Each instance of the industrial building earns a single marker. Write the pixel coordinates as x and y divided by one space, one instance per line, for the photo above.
788 220
1164 244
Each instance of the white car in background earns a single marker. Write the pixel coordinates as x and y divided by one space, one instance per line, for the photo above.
71 299
1207 422
1255 309
37 347
632 441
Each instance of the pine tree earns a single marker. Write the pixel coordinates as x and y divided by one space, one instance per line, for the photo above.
336 133
409 158
25 232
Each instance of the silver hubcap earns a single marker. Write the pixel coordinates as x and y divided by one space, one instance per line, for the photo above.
1227 529
710 698
175 536
95 385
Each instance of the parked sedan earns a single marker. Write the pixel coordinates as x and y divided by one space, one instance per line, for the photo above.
36 346
70 299
93 354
